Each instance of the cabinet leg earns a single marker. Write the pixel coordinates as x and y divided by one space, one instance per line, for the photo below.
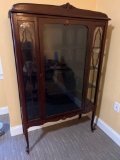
92 122
23 131
80 115
27 140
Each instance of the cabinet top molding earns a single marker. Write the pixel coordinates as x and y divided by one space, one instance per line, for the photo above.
66 10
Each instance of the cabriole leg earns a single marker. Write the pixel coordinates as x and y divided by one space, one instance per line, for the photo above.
80 115
27 140
92 122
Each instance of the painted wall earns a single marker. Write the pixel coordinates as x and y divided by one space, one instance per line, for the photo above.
8 87
3 102
111 88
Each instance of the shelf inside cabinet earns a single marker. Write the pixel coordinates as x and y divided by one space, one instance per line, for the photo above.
96 50
95 47
89 102
91 85
93 68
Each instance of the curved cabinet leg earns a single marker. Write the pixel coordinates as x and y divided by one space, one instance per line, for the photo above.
92 122
80 115
27 140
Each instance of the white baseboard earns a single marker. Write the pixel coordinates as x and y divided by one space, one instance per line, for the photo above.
1 77
108 130
16 130
3 110
19 130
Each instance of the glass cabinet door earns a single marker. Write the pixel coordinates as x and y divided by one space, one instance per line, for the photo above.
29 69
64 50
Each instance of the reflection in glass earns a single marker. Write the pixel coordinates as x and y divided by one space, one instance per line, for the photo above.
27 41
64 60
96 48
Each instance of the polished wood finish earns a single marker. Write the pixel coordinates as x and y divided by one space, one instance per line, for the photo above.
66 10
39 15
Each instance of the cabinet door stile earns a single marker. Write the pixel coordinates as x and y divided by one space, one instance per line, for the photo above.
40 33
38 60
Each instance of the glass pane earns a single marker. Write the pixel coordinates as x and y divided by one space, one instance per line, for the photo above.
96 48
27 41
97 37
64 60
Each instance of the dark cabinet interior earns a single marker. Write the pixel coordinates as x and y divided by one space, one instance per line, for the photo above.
64 50
58 53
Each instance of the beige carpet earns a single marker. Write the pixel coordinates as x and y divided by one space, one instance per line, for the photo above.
71 140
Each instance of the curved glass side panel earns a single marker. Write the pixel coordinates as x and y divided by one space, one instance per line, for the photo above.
27 42
93 73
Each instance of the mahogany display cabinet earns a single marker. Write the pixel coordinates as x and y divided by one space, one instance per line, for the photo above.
58 53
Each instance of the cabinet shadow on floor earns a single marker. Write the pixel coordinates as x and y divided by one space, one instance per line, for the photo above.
6 128
55 127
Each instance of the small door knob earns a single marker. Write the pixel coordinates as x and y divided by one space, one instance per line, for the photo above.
67 22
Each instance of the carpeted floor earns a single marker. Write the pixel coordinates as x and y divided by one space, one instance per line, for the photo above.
72 140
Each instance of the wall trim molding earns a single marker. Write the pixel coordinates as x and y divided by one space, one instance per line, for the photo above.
14 131
1 71
108 130
1 77
3 110
101 124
